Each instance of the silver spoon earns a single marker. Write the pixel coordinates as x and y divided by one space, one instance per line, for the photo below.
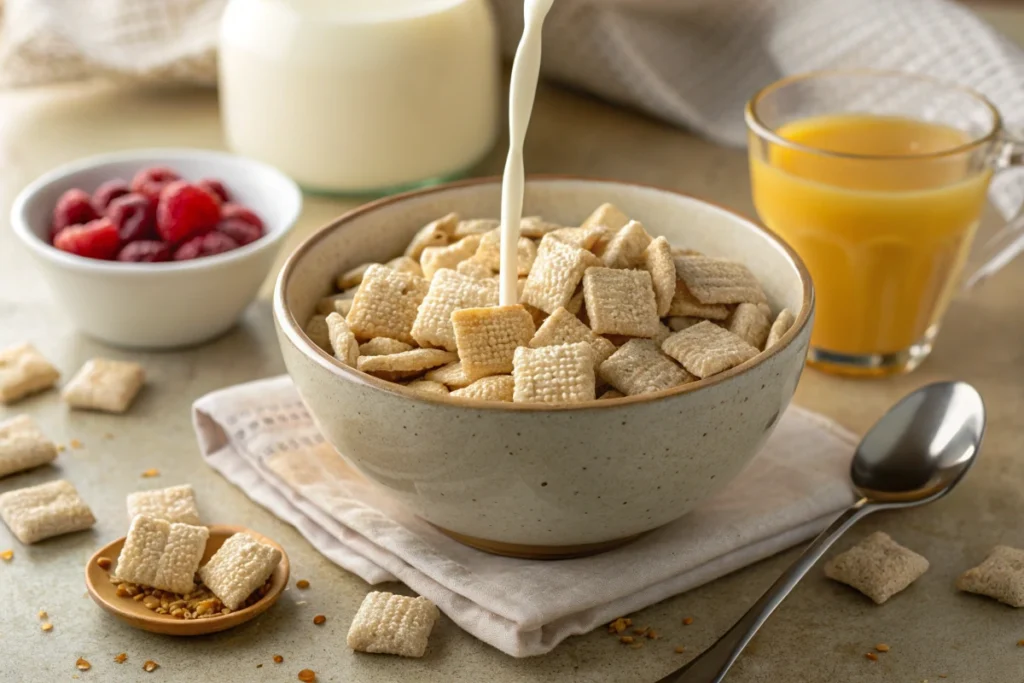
915 454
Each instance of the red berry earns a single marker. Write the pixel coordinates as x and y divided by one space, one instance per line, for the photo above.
151 181
148 251
241 212
215 187
73 208
134 217
239 230
108 192
96 239
205 245
185 211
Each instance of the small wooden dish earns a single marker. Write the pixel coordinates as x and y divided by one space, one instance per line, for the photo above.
97 580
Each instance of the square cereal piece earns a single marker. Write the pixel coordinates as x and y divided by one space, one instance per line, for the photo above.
393 624
434 259
677 323
878 567
1000 576
433 234
620 302
23 446
750 323
24 371
343 342
487 338
584 238
386 304
554 374
663 333
781 326
611 393
474 269
336 303
404 264
382 346
239 567
415 361
717 281
39 512
426 386
353 277
626 248
562 327
556 273
683 304
534 227
607 215
172 504
474 226
106 385
452 376
449 291
318 332
493 388
657 260
489 252
706 349
639 367
162 554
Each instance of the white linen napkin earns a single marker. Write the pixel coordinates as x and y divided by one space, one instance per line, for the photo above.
261 438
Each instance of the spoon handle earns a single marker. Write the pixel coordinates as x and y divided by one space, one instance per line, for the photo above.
712 664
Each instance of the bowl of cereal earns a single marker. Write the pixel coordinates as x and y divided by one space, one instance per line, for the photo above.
657 342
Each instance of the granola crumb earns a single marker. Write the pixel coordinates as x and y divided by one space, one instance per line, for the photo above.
1020 643
151 473
882 647
259 666
149 666
319 619
83 664
687 621
680 650
46 627
61 448
278 659
43 614
942 675
108 435
302 583
75 443
7 555
636 646
307 676
121 658
104 562
652 634
620 625
872 656
640 631
301 602
628 640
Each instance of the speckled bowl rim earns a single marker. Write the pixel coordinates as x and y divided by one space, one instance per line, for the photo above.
297 337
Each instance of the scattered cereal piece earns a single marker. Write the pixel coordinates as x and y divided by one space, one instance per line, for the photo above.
46 627
278 659
121 658
619 625
626 248
449 291
1000 576
556 272
652 634
636 646
238 568
872 656
150 473
172 504
493 388
451 375
343 342
717 281
680 650
426 386
620 302
404 264
83 664
317 331
433 234
23 446
307 676
562 327
414 361
608 215
382 346
687 621
319 619
336 303
877 566
474 226
489 252
434 259
640 367
882 647
150 666
7 555
161 554
302 584
749 322
104 563
487 338
24 371
352 278
386 304
39 512
684 304
626 639
657 260
393 624
554 374
783 321
106 385
706 349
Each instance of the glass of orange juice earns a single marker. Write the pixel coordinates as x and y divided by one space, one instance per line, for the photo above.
878 180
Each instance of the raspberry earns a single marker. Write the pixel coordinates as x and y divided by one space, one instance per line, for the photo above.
96 239
148 251
205 245
215 187
151 181
185 211
239 230
134 217
73 208
108 192
230 210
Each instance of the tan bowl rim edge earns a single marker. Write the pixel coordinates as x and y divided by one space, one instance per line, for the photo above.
297 337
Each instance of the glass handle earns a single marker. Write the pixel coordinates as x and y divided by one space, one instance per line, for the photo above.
1006 244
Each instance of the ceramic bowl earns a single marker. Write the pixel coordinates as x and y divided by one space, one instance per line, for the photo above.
158 305
536 480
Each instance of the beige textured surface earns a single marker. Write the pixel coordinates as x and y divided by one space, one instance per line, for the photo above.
819 635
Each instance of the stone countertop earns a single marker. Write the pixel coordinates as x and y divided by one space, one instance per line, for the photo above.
819 634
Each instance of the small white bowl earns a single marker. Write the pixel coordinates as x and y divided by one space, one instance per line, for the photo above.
159 305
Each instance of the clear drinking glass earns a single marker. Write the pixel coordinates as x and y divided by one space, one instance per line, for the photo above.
879 181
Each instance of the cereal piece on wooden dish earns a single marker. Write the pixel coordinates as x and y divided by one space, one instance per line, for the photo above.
239 567
162 554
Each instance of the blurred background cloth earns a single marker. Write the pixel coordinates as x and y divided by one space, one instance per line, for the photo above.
693 63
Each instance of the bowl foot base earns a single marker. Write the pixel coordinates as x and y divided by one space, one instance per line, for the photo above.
537 552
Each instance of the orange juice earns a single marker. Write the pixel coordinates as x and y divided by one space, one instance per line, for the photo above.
884 233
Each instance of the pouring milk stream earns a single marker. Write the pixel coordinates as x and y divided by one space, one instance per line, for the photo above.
522 91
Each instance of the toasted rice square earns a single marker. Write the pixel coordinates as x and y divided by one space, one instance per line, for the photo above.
611 393
343 342
474 226
386 304
489 252
706 349
677 323
172 504
24 371
36 513
607 215
781 326
535 227
449 292
1000 576
336 303
878 567
562 327
317 331
434 259
474 269
717 281
584 238
554 374
556 272
749 322
657 260
353 277
452 375
620 302
23 445
487 338
105 385
382 346
393 624
626 248
493 388
426 386
433 234
639 367
684 304
404 264
414 361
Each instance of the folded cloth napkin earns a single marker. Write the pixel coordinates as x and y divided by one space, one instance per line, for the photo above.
260 437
